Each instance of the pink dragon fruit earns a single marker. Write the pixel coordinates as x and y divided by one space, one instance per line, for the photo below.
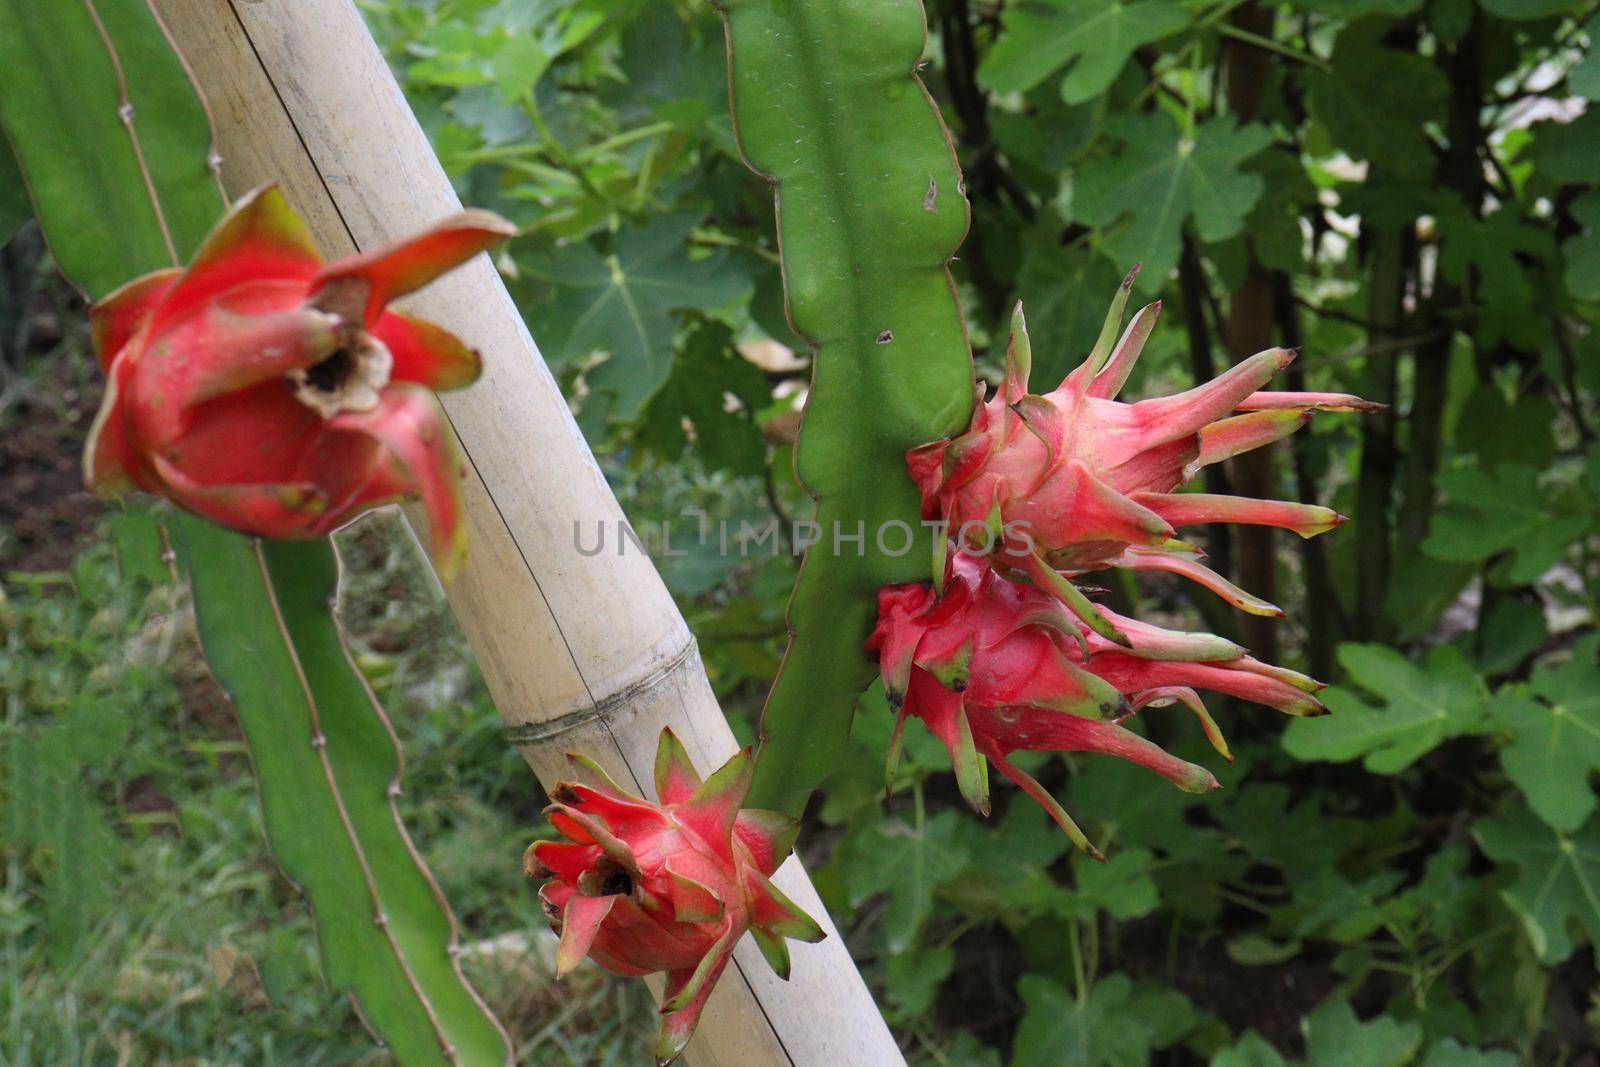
993 666
641 887
1075 480
280 395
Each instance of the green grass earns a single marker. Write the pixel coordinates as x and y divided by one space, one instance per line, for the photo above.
142 920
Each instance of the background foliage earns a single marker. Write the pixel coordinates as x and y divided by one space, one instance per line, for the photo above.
1406 190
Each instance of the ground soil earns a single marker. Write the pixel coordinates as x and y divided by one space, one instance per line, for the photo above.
48 514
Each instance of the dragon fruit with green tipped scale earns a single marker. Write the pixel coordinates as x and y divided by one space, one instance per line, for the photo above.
642 887
1075 480
993 666
1003 651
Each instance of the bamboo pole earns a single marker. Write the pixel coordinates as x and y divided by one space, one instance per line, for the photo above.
581 653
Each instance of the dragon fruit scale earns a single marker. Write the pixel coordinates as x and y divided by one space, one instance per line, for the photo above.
992 666
642 887
278 395
1075 480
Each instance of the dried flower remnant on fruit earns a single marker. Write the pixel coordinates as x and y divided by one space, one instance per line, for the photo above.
277 394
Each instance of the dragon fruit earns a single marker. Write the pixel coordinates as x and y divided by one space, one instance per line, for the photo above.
992 666
269 392
1075 480
641 887
1003 651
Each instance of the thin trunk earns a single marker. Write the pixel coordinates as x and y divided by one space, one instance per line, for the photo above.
1425 429
1203 366
1390 258
1326 619
1573 396
582 652
1461 170
1245 68
1255 473
1386 256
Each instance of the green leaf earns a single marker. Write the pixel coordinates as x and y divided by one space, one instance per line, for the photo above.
1447 900
1564 152
1042 143
1555 720
1274 223
1411 711
1121 887
1298 836
1557 884
908 863
1376 102
1488 253
1258 950
695 401
1354 9
1008 874
1448 1053
1251 1050
1159 180
519 64
1117 1024
1449 19
1512 630
1115 797
1523 431
1506 510
968 1051
612 312
1420 591
1092 39
1526 9
912 978
1026 839
1336 1038
1582 253
1341 910
1584 79
870 211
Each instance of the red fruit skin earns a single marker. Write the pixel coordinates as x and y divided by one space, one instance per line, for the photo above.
1024 673
642 887
631 940
278 396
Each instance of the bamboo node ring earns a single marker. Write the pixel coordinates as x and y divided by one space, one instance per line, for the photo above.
533 734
